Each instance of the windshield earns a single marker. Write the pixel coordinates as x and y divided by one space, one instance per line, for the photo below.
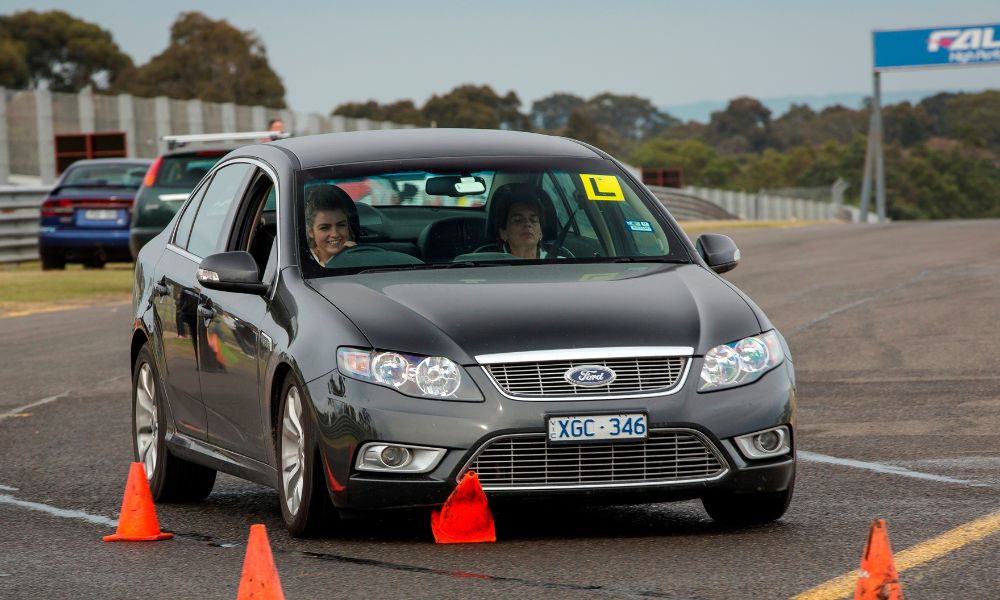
186 170
477 212
112 175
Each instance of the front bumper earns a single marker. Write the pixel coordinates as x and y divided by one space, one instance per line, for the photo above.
349 413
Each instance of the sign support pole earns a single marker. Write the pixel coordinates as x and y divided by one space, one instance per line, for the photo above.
866 180
879 150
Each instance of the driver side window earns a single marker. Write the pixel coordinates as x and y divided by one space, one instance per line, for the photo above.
207 232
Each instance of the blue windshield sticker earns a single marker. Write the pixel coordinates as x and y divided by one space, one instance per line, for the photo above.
640 226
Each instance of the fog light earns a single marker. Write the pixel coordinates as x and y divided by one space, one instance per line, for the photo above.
397 458
765 444
394 457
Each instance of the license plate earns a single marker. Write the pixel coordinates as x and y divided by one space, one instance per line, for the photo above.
100 214
627 426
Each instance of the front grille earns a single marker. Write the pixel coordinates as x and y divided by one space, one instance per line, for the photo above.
647 375
530 461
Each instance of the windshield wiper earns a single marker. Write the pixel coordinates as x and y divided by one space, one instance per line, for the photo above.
432 266
634 259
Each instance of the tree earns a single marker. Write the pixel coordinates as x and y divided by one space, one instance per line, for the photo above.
477 107
553 112
59 52
744 117
631 117
580 127
401 111
208 60
699 162
13 68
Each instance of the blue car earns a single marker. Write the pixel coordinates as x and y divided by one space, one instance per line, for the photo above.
87 214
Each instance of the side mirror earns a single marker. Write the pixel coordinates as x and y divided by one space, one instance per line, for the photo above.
231 272
719 251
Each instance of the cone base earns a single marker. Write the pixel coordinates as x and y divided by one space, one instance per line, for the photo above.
115 537
442 536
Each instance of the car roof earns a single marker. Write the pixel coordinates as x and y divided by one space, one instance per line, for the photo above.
110 161
400 144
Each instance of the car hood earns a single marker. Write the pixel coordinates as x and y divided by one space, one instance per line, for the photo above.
462 313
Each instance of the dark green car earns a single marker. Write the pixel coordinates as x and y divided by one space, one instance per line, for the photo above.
166 186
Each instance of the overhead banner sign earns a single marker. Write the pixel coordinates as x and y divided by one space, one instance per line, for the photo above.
937 47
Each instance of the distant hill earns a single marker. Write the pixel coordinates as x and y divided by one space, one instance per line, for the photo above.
702 111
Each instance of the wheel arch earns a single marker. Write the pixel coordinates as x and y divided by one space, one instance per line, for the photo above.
139 339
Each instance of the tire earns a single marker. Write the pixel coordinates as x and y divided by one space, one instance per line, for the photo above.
53 262
171 479
305 500
94 263
748 509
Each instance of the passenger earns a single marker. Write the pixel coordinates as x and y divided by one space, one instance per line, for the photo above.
332 222
520 219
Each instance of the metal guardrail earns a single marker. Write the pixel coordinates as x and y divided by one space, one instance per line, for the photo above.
688 207
19 217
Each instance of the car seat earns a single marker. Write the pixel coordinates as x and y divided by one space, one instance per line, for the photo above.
443 240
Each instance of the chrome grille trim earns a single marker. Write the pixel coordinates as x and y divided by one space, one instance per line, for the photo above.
583 354
637 377
528 462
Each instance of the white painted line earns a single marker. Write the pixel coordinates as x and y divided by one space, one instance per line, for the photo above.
8 488
19 410
882 468
58 512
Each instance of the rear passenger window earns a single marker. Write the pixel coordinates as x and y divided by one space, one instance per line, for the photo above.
206 233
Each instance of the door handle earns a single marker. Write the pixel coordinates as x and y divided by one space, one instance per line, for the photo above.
160 288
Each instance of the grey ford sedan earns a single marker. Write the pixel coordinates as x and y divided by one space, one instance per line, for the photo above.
359 319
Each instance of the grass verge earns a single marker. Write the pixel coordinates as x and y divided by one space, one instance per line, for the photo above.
26 289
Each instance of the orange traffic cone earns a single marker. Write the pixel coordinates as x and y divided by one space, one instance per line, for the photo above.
878 579
465 516
137 521
260 577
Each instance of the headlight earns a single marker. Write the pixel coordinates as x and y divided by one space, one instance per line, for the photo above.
422 376
740 362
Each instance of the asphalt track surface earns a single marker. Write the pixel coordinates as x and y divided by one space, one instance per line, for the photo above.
894 332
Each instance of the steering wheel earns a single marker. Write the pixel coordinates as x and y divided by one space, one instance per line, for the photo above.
491 247
353 251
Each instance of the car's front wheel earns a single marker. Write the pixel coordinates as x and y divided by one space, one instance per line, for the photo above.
171 479
305 501
748 509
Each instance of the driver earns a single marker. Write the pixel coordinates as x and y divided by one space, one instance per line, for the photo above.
520 220
332 222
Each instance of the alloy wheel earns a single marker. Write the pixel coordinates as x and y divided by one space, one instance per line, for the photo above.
293 451
146 422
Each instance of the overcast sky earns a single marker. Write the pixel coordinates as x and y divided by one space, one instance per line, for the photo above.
329 52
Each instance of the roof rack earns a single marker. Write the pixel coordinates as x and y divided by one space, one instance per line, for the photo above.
177 141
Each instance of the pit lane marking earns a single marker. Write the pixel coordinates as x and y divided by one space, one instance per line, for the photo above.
942 545
883 468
